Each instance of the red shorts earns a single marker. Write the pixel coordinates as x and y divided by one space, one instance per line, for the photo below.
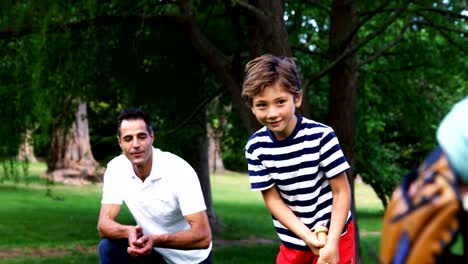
296 256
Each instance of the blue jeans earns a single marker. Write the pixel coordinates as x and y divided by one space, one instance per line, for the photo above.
114 251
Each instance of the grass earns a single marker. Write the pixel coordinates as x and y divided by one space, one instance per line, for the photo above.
60 227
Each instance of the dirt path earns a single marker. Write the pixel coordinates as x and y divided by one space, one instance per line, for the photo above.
43 252
6 253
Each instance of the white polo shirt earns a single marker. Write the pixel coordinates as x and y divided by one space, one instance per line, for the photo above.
158 204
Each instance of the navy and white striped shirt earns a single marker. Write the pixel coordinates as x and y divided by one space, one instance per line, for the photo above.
300 167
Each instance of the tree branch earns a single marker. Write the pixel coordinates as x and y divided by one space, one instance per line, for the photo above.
446 36
442 12
429 22
213 57
377 54
401 69
309 52
319 4
259 13
388 22
416 10
196 111
367 16
12 32
443 30
355 48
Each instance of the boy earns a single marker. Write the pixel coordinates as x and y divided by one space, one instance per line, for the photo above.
298 166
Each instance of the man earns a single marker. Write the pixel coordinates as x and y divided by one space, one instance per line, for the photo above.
163 194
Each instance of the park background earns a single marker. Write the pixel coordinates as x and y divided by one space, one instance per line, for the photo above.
381 73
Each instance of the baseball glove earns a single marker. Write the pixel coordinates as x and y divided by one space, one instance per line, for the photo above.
422 218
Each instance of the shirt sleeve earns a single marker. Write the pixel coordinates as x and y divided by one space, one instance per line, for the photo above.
190 195
112 192
259 177
332 159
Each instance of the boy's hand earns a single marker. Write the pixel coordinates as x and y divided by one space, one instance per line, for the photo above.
314 243
321 233
329 254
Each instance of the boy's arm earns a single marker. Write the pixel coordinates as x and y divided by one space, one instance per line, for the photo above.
340 210
340 207
287 218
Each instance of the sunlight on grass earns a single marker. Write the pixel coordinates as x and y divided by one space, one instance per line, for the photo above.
369 216
240 209
366 197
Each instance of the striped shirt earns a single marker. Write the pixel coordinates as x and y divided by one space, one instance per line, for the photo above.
300 166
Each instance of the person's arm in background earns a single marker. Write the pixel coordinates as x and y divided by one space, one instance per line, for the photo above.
287 218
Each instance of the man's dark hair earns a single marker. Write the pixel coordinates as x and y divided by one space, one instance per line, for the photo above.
134 114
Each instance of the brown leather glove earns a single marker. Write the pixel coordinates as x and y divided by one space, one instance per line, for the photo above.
422 217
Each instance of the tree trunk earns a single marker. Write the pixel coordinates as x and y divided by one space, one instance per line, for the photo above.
71 159
26 150
342 102
215 162
195 152
202 169
267 34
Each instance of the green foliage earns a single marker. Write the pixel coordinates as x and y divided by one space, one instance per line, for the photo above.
233 143
410 73
403 96
12 169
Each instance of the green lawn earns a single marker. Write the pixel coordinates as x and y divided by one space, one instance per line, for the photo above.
60 227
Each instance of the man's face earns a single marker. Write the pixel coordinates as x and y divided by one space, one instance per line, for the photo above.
136 142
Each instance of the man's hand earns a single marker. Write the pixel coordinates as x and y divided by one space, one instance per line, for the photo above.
134 234
139 244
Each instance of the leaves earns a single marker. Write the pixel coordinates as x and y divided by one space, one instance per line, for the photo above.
113 54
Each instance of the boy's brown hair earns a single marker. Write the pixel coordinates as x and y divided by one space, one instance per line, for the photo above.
267 70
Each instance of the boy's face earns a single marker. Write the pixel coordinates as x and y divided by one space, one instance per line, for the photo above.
275 108
135 141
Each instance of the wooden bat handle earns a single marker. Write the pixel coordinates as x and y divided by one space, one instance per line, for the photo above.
321 232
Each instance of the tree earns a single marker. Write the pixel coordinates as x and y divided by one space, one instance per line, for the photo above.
361 63
343 86
217 114
70 151
26 149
